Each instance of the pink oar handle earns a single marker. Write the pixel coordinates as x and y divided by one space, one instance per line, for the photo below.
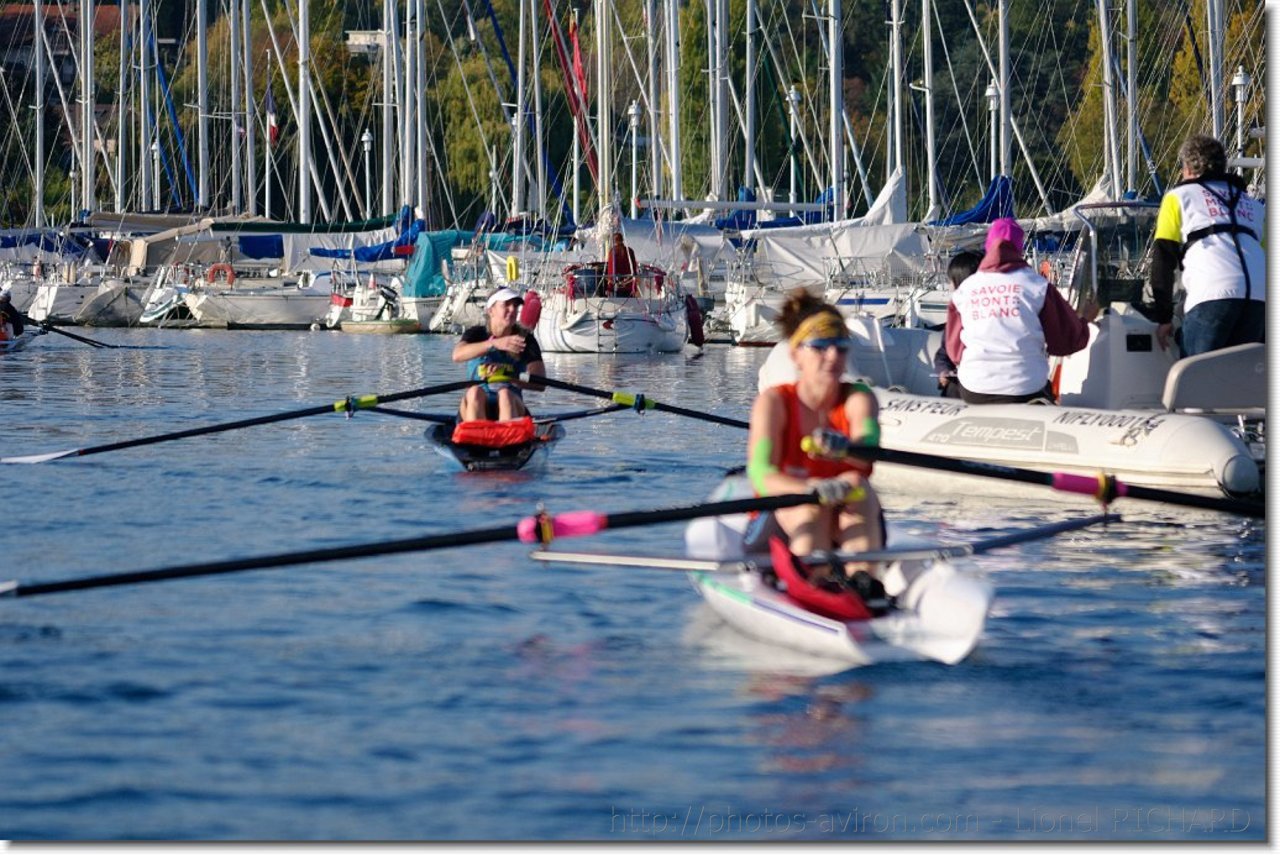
1089 486
571 524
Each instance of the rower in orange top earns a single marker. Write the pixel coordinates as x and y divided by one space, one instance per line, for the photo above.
833 412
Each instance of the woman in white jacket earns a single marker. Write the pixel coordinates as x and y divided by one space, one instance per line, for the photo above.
1005 321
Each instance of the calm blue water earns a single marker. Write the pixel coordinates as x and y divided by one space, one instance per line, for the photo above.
472 694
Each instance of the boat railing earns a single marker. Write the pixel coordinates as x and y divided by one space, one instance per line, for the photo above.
592 280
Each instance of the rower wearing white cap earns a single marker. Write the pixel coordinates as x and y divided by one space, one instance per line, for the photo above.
496 353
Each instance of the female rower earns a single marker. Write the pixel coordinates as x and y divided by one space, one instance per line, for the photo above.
496 353
822 406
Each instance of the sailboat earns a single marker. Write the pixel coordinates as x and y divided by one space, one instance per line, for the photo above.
607 305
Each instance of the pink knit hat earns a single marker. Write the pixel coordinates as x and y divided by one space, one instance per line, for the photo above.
1006 229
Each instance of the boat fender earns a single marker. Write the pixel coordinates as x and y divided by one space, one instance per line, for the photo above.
513 268
696 335
226 270
839 605
531 310
494 434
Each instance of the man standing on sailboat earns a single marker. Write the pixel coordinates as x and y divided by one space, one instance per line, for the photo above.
1210 228
497 353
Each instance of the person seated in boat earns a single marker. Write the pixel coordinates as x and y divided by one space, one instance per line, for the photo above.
620 269
962 266
822 406
1005 321
1210 228
10 318
496 353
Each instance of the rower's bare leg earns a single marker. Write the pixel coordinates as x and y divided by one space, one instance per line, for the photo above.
808 527
510 406
473 404
860 530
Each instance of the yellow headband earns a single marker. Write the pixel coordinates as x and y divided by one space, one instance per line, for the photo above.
819 325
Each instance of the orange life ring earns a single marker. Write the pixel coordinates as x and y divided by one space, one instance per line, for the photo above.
226 269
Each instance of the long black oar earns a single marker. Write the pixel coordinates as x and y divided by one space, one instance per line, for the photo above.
60 331
634 400
450 418
347 405
879 556
541 528
1105 488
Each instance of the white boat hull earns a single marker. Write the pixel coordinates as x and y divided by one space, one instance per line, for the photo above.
751 312
1112 419
270 308
115 303
1140 447
59 302
940 612
611 325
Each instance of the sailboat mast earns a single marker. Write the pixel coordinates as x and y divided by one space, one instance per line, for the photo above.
1110 128
304 112
604 86
233 27
420 120
388 102
87 120
517 132
250 150
1217 113
895 53
38 18
655 149
1131 71
1005 115
202 102
835 42
930 141
749 164
121 88
673 97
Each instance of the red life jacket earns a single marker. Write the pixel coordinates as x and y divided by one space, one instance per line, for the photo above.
495 434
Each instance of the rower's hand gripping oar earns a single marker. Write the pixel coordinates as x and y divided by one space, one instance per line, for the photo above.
347 405
1104 487
632 399
541 528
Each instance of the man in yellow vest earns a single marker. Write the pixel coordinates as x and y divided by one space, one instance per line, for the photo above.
1210 228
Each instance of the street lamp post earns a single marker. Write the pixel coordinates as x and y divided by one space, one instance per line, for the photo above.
1240 84
634 112
366 141
993 107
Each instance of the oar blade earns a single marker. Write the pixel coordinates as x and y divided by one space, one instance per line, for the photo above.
41 458
650 562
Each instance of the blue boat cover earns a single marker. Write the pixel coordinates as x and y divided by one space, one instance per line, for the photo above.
423 278
261 246
997 203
